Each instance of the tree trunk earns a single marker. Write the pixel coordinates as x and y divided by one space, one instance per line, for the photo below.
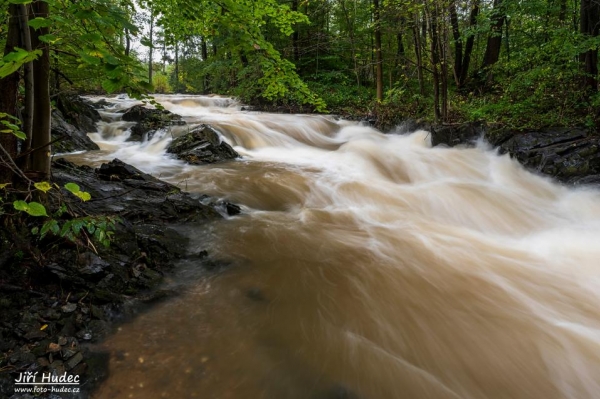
40 159
435 61
589 25
458 45
9 86
418 55
378 55
469 44
295 36
350 26
494 42
28 106
127 42
176 67
150 49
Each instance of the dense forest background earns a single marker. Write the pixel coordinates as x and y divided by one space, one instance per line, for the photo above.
519 63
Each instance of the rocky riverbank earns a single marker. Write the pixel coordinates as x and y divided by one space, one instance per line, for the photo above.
569 155
58 296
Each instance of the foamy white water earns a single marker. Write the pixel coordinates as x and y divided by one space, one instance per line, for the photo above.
365 265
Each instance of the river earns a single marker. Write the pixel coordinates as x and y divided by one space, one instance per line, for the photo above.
364 265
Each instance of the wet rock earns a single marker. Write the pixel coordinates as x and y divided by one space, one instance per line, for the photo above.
69 138
571 155
202 145
92 265
57 367
78 111
22 358
100 104
43 362
121 189
74 361
53 348
465 133
85 335
117 170
566 154
228 208
149 120
69 308
35 334
50 314
67 353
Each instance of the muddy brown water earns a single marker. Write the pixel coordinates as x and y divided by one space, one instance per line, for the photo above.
364 266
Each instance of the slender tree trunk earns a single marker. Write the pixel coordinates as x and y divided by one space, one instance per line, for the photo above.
295 36
127 42
562 14
494 42
204 49
589 26
418 55
28 106
458 45
350 26
9 86
151 48
40 159
469 44
435 61
378 54
164 58
176 67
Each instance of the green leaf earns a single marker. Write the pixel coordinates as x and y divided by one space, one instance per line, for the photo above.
54 227
32 208
83 195
35 230
91 228
66 227
37 23
36 209
50 225
3 185
43 186
90 59
49 38
77 225
20 1
112 85
21 206
72 187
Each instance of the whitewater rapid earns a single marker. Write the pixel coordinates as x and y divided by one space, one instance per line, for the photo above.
364 265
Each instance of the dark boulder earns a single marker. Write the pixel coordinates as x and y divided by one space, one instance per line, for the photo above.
78 112
570 155
120 189
69 138
200 146
149 120
451 135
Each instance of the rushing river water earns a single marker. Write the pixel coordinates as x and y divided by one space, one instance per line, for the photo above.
365 265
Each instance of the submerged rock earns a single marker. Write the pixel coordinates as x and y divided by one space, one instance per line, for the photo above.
202 145
149 120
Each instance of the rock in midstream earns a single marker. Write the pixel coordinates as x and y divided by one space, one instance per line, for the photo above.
202 145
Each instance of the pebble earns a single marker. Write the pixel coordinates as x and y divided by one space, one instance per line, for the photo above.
69 307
